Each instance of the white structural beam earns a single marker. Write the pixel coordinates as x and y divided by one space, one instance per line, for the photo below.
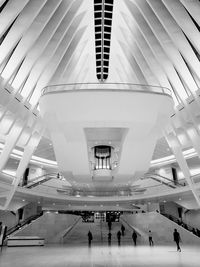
28 152
176 148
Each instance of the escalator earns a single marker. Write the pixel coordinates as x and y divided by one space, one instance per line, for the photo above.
163 180
18 226
41 179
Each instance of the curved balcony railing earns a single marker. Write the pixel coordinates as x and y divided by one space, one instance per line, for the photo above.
145 88
112 192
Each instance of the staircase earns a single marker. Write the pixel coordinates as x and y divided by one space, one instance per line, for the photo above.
161 227
78 235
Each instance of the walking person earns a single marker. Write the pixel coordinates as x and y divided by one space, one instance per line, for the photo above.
119 238
122 229
109 238
177 239
151 243
134 236
90 237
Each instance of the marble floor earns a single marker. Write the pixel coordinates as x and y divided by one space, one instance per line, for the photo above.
99 256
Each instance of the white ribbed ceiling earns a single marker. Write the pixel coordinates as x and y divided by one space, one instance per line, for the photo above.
52 41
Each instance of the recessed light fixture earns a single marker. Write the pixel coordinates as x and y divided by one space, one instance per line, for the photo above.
117 205
53 203
101 205
164 201
23 200
179 198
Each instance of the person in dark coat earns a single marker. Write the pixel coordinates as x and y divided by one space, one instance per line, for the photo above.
122 229
151 243
134 236
90 237
109 238
177 239
119 238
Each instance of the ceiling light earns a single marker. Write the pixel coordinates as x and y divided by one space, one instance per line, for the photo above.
179 198
23 200
53 203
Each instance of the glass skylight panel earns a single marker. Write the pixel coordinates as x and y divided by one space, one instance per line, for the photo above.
103 25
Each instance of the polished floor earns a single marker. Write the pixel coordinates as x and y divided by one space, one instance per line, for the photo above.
99 256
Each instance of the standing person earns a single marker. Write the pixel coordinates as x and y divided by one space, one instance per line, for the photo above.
150 239
90 237
109 238
134 236
177 239
122 229
119 238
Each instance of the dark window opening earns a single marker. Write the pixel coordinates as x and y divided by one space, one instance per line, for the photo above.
108 15
97 15
108 22
98 56
97 22
98 36
109 8
97 1
97 29
107 29
98 43
97 7
107 43
107 36
98 49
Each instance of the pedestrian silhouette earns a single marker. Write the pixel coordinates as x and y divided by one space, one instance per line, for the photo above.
177 239
109 238
134 236
122 229
150 239
90 237
119 238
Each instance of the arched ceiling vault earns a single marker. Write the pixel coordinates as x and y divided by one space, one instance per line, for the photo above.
45 42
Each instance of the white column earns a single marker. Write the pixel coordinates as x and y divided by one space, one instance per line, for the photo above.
176 148
190 131
11 141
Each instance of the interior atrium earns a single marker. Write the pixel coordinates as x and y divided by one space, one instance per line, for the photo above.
99 130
